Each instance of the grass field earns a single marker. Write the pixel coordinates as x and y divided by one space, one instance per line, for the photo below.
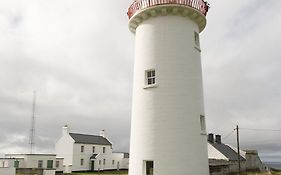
126 173
103 173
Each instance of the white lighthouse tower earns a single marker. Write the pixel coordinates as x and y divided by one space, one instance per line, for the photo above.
168 133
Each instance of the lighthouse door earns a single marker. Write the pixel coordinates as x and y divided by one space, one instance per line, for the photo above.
148 167
93 165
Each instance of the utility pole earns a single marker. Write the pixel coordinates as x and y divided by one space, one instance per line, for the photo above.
238 150
32 127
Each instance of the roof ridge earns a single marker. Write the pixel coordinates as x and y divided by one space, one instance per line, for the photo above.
90 139
85 134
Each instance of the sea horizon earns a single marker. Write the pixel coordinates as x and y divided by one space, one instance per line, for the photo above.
275 165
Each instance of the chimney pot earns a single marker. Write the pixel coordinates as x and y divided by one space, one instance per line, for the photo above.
102 133
211 137
218 139
65 130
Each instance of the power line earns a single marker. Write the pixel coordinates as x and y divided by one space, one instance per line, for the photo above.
268 130
229 134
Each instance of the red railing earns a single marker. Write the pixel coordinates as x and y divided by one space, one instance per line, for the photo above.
199 5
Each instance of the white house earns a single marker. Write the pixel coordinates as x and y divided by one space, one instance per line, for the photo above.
7 166
82 152
37 163
222 157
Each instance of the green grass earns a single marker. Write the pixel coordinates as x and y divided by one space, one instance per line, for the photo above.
255 173
103 173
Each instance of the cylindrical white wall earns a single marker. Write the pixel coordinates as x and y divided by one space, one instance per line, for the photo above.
165 126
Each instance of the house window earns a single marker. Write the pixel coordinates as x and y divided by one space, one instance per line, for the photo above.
40 163
94 149
82 149
99 162
202 124
16 163
103 161
103 149
148 167
57 164
196 39
49 164
82 162
150 77
113 162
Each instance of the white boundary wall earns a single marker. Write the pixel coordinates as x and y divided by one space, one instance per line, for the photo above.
7 171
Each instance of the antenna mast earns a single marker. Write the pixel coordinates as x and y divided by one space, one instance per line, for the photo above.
32 129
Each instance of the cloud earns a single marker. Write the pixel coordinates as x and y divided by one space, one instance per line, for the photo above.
78 56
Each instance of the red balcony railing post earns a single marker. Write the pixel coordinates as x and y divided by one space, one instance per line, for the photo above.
199 5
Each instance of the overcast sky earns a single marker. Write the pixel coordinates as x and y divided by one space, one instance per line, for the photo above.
78 56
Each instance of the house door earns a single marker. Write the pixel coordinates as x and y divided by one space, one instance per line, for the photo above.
93 165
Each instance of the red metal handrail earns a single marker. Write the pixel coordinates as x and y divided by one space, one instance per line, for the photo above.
199 5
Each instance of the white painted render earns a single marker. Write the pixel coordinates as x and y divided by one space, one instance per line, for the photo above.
31 160
165 126
64 148
60 166
7 171
49 172
88 152
71 152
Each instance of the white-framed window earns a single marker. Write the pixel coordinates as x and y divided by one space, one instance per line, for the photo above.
113 162
150 77
103 149
99 162
40 163
103 161
94 149
82 149
49 164
16 163
196 39
57 164
202 124
82 162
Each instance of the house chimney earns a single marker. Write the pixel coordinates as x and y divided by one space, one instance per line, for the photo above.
218 139
65 130
211 137
102 133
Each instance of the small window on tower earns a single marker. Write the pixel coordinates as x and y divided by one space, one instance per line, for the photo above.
196 39
150 77
203 124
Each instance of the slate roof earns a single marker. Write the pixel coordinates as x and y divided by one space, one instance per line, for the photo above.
89 139
93 156
227 151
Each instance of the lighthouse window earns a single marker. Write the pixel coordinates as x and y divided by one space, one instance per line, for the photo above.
196 39
150 77
202 124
